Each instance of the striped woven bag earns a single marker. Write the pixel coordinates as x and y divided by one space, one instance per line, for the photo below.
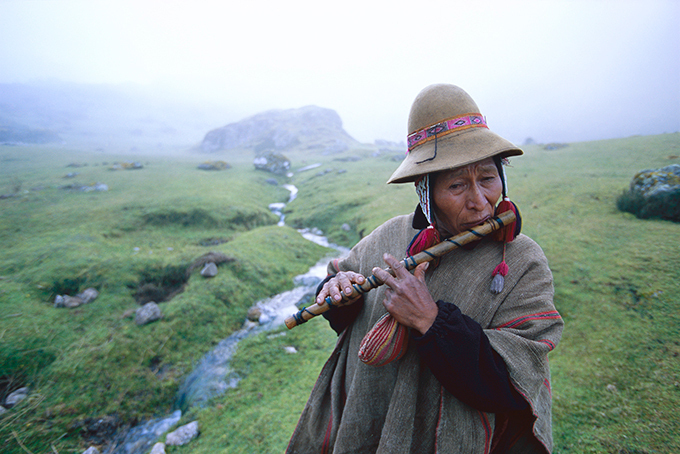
384 343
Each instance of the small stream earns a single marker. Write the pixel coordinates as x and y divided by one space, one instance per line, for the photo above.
277 208
213 375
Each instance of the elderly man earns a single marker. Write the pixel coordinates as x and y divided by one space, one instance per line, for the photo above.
473 376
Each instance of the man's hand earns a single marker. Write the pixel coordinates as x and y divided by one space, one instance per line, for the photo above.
407 297
339 284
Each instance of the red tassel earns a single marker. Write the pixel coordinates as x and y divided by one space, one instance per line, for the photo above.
501 269
499 273
507 233
426 239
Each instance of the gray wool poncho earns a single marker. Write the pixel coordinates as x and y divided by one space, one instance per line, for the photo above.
401 407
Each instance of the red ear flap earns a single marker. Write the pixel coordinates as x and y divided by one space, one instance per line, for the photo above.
509 232
424 240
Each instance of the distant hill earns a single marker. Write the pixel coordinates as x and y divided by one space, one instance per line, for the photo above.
12 133
102 117
307 128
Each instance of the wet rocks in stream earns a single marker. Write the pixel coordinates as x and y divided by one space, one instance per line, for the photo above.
182 435
158 448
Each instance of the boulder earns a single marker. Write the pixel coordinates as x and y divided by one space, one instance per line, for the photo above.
254 314
91 450
16 397
653 193
158 448
309 127
214 165
148 313
275 163
87 296
66 301
2 410
182 435
209 270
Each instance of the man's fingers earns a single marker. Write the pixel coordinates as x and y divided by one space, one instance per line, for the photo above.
384 277
342 285
419 272
397 266
345 284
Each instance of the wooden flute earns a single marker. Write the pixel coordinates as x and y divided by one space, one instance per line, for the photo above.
436 251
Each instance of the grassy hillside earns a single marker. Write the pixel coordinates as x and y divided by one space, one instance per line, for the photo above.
616 375
141 235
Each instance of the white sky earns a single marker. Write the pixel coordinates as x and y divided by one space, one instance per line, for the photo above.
555 70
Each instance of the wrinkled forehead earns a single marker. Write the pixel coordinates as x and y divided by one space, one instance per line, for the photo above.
485 165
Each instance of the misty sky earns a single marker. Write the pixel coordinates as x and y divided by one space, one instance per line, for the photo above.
551 70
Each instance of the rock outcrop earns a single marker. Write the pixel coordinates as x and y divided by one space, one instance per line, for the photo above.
653 193
308 127
275 163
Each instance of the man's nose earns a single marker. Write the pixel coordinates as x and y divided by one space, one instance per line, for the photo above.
475 198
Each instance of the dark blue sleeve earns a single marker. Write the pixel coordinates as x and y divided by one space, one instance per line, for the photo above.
460 356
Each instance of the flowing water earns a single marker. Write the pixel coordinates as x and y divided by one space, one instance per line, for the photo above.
213 374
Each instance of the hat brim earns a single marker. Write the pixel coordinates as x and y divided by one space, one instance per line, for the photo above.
453 150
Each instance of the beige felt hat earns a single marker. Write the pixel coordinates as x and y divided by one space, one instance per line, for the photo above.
447 130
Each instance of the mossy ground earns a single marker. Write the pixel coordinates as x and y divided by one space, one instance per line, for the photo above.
616 373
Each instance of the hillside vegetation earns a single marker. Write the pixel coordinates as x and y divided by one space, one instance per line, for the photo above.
616 374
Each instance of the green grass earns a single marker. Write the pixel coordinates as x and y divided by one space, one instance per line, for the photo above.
93 361
616 373
617 287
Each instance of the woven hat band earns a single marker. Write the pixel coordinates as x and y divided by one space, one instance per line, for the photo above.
471 120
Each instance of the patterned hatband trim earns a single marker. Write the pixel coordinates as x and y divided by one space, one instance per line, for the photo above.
472 120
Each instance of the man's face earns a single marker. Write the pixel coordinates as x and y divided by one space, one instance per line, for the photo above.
466 196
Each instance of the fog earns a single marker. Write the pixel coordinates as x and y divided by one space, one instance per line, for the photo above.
550 70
